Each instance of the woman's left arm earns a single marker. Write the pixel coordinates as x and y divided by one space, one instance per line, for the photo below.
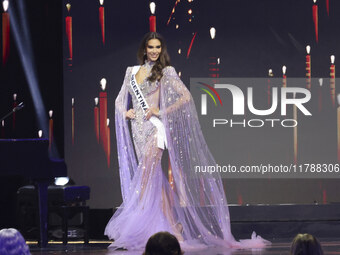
174 89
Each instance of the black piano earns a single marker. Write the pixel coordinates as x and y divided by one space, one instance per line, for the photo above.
29 158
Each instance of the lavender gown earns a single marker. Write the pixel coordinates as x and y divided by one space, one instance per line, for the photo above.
195 208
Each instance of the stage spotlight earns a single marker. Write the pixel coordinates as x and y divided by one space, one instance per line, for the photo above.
23 41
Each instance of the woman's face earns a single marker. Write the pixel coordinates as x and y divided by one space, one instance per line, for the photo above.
153 49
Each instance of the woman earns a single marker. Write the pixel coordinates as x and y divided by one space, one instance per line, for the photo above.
163 114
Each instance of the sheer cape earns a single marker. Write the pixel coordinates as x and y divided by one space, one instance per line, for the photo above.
196 201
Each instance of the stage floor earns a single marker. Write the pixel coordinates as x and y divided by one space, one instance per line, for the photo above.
330 246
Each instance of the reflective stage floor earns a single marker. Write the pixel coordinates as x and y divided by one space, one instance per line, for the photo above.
330 246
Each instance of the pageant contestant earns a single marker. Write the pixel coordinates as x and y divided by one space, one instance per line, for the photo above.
163 115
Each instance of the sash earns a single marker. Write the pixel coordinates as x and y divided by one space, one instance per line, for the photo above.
161 135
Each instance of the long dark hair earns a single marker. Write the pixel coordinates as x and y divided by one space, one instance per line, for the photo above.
162 61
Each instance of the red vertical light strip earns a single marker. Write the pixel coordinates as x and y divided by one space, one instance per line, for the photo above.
3 129
239 199
284 81
72 122
102 22
108 148
308 71
316 21
191 43
5 37
103 119
332 84
327 7
69 35
152 22
332 74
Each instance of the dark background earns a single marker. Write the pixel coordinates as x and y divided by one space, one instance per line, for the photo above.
43 19
45 29
252 36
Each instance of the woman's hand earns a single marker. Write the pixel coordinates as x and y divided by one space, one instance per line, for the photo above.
151 111
130 114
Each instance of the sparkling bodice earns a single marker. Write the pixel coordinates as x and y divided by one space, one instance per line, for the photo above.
142 129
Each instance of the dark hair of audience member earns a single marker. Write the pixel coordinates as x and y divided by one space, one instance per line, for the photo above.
305 244
163 243
12 243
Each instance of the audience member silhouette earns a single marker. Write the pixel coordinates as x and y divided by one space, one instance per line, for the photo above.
305 244
163 243
12 243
